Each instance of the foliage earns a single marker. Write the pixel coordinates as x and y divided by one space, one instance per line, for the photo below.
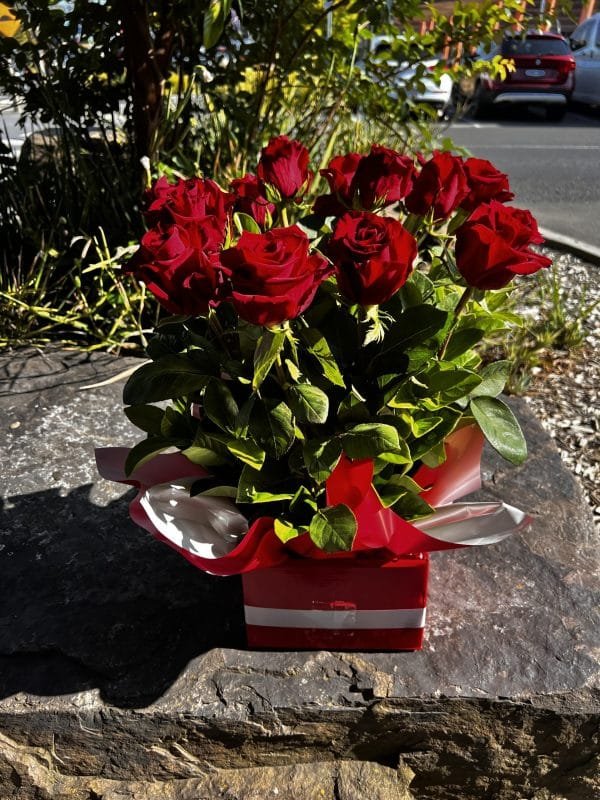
554 320
114 81
270 409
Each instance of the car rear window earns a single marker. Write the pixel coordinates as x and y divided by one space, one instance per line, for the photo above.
535 47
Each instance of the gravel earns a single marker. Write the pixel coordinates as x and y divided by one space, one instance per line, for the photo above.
565 391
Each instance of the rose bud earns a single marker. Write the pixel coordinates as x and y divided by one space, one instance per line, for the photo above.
485 183
273 276
250 199
284 165
441 185
373 256
492 246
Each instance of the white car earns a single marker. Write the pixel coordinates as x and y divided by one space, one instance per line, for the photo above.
436 93
585 44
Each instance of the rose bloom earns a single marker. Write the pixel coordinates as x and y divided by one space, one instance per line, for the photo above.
187 201
178 269
441 185
373 256
273 276
492 246
284 165
485 183
250 199
380 178
340 176
383 177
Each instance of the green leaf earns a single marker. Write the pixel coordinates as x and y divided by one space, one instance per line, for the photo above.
370 439
272 426
176 424
268 348
284 530
461 341
204 456
421 447
148 418
494 377
333 529
410 506
425 424
146 450
169 377
242 422
244 222
321 458
248 452
219 405
214 21
500 428
256 487
318 347
412 328
451 384
353 409
309 403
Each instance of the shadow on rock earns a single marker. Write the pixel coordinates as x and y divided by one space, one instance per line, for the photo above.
90 601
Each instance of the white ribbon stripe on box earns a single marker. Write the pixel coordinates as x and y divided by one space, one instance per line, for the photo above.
335 619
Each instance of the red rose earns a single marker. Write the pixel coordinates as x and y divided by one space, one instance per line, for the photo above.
373 256
492 246
485 183
187 201
273 276
177 270
250 198
441 185
284 165
339 175
383 177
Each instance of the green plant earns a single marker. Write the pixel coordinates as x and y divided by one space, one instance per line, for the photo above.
296 347
553 320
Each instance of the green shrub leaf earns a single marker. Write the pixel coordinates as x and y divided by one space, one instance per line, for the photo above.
146 450
333 529
494 377
500 427
219 404
309 403
169 377
147 418
268 348
248 452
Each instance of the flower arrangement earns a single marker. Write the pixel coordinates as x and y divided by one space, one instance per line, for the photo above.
322 355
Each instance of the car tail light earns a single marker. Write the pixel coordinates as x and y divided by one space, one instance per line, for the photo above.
566 67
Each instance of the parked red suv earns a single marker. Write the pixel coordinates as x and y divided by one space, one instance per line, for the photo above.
544 75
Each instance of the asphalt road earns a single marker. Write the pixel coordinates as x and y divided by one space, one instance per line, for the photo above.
554 168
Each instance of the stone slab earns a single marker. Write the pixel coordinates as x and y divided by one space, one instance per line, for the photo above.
120 663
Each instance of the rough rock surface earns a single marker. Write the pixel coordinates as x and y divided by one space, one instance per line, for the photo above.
123 671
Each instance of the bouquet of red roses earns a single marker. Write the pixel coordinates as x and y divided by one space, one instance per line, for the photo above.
322 357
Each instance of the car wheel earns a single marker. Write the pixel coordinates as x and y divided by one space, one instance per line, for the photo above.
479 109
555 113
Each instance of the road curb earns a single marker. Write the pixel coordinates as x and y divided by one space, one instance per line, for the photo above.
588 252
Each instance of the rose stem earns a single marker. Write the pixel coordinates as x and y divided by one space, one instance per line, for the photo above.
464 299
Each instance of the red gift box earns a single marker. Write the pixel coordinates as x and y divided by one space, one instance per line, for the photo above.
338 604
